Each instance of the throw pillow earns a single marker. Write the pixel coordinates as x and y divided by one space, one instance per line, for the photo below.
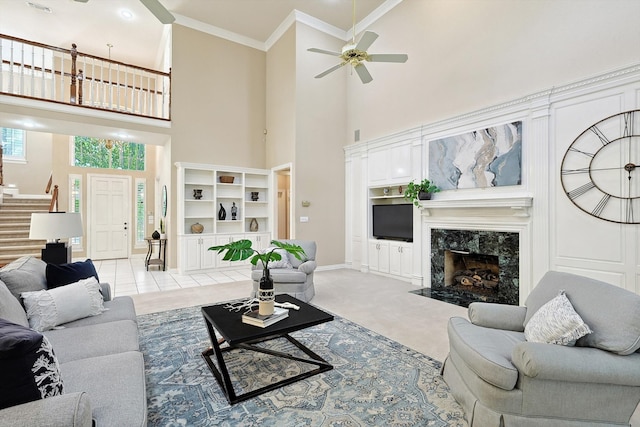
26 274
282 263
556 322
48 309
63 274
10 307
28 366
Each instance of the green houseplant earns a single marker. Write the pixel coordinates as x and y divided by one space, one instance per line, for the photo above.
242 249
420 191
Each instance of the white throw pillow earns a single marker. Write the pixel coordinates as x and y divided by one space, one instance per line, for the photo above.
556 322
48 309
283 263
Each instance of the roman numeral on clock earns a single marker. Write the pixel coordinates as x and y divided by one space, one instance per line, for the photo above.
601 205
581 190
629 209
628 124
599 134
574 171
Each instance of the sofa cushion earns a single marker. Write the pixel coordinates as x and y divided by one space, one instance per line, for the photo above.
283 262
116 384
28 366
612 313
48 309
10 307
88 341
64 274
26 274
486 351
120 308
556 322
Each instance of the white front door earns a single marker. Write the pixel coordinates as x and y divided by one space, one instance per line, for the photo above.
108 211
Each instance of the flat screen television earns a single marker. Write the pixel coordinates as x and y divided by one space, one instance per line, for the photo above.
393 222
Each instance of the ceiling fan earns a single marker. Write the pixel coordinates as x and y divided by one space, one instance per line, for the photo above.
154 6
356 53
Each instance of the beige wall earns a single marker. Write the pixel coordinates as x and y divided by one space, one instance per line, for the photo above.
281 100
467 54
321 114
31 177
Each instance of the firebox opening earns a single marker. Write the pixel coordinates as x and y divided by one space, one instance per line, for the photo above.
471 272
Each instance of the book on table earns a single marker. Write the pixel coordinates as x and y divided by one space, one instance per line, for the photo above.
256 319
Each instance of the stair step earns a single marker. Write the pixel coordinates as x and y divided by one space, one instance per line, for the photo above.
20 249
19 241
13 233
14 225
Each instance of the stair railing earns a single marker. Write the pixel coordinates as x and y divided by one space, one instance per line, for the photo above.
38 71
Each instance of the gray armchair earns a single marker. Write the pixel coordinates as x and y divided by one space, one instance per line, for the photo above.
501 379
297 280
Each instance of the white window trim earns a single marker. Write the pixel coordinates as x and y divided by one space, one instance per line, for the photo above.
140 244
72 177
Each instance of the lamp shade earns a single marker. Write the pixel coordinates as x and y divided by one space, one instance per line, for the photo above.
55 225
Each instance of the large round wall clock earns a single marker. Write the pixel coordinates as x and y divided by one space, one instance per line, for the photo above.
600 171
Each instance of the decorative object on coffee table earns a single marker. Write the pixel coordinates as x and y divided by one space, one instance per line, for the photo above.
197 228
222 213
420 191
197 193
241 250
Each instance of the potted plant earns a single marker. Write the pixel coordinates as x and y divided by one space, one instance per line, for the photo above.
163 234
241 250
420 191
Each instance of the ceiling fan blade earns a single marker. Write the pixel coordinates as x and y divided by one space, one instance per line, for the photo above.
388 57
363 73
330 70
82 1
366 40
159 11
326 52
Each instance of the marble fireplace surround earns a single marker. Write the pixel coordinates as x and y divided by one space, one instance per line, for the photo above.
503 214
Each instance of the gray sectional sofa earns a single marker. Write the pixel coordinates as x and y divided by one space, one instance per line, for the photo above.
99 359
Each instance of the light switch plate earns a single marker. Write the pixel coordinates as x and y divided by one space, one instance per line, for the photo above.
304 219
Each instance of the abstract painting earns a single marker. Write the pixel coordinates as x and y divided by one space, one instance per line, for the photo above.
490 157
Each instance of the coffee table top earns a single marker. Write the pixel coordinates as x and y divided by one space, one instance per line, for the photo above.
229 323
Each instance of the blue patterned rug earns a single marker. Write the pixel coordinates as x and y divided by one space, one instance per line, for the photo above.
375 381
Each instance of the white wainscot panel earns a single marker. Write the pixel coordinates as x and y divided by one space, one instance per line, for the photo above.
616 279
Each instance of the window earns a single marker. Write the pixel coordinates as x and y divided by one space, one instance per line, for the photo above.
91 152
141 187
13 144
75 197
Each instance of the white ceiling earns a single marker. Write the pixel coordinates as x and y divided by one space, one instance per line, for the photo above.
96 24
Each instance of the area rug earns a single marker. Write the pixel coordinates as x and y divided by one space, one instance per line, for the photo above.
375 381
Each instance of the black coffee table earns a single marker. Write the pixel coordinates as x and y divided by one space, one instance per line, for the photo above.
240 335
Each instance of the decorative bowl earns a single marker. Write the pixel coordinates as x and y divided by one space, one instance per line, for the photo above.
226 179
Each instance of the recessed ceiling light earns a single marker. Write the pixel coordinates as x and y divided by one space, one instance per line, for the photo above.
126 14
40 7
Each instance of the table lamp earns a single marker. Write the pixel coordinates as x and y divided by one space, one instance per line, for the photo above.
54 226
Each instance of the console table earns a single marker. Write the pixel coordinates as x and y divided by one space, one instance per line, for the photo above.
162 253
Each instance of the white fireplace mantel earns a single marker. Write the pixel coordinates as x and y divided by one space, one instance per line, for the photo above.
517 206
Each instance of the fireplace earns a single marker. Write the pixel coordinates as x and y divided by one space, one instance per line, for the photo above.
474 265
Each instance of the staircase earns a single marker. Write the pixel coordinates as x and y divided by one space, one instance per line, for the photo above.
15 220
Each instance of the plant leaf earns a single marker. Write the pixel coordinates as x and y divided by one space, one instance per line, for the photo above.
295 250
235 251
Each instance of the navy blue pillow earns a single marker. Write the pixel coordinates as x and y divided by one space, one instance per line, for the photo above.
64 274
28 367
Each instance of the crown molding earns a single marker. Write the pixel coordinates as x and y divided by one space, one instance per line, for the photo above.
218 32
294 17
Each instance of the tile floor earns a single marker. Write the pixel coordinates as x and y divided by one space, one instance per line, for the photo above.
130 277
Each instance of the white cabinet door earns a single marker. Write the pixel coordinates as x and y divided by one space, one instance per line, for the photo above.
223 240
379 256
400 259
207 257
191 253
390 166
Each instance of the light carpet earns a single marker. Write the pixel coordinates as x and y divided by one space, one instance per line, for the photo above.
375 381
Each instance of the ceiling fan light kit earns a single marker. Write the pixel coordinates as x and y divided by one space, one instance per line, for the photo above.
356 54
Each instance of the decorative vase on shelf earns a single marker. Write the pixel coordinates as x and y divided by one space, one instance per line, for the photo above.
222 213
253 225
266 295
197 193
155 234
255 196
423 195
234 211
197 228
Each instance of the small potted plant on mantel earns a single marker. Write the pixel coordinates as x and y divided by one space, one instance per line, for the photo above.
420 191
241 249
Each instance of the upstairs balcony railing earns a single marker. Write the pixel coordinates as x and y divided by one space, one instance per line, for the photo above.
67 76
